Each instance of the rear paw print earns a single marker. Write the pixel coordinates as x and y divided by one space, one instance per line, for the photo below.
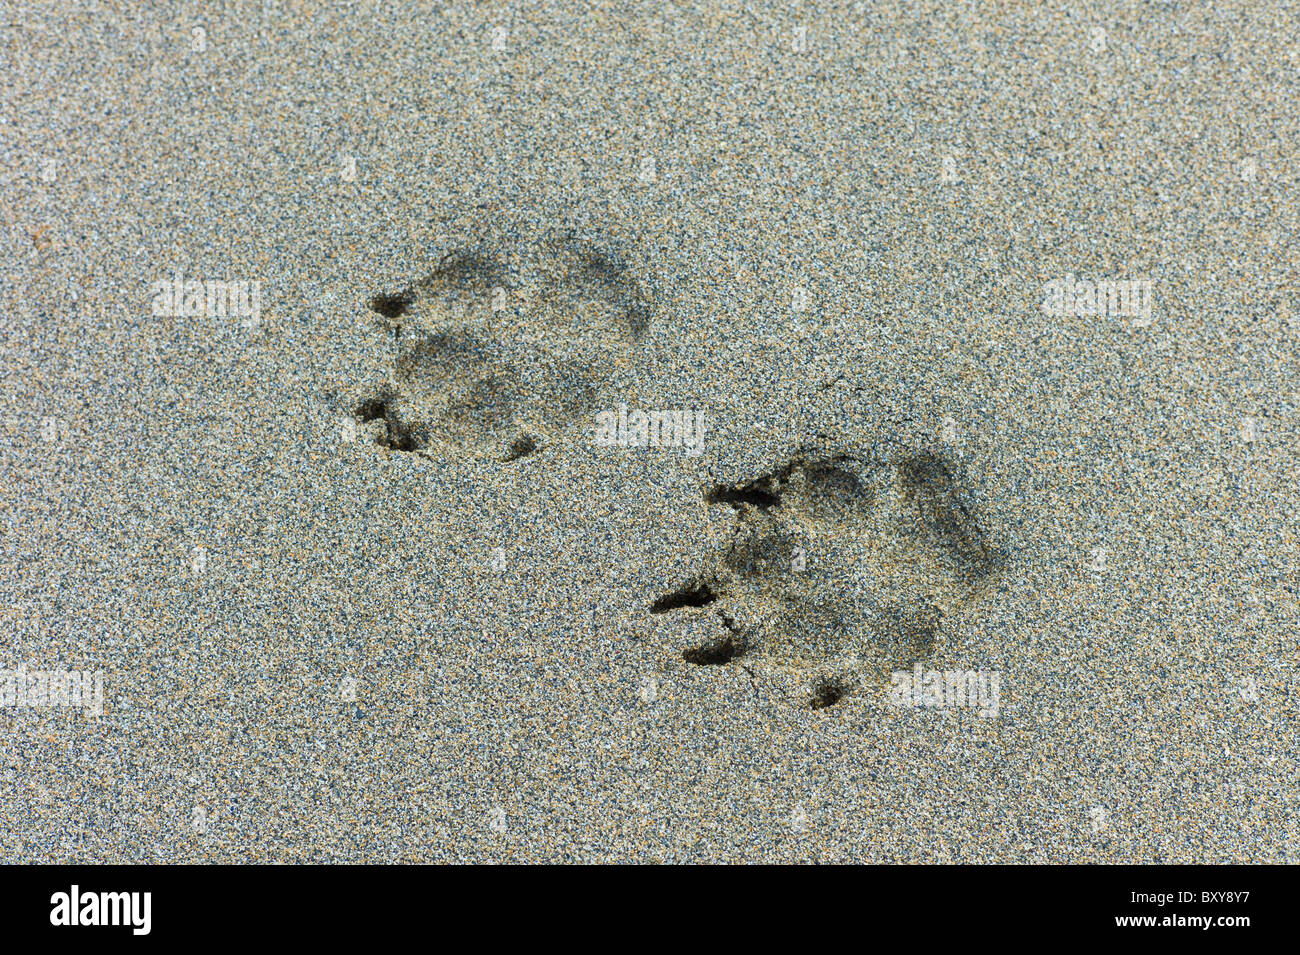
499 353
835 570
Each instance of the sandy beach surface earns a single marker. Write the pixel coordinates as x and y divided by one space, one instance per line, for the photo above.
966 334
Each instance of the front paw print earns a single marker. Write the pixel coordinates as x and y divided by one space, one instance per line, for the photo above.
837 569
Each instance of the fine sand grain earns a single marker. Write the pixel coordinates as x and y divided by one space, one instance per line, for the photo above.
367 574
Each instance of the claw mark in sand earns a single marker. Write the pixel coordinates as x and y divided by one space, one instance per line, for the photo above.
499 352
837 569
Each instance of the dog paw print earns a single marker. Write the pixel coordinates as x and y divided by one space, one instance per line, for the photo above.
832 571
500 352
